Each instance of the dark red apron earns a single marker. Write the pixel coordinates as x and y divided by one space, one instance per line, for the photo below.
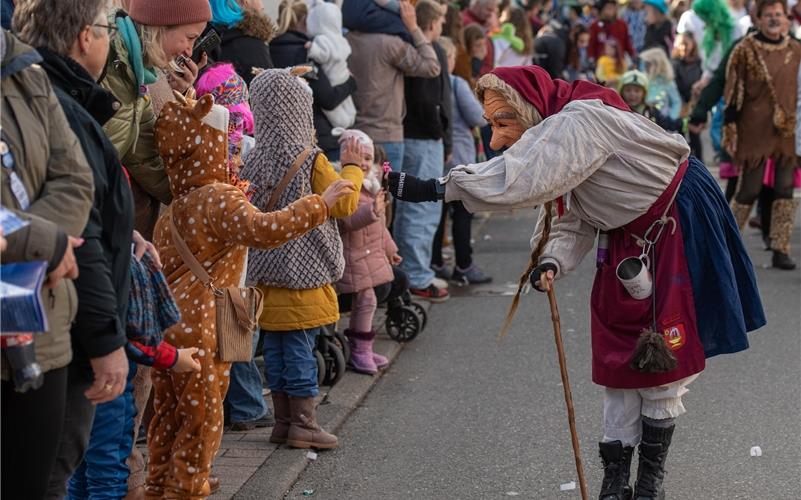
618 318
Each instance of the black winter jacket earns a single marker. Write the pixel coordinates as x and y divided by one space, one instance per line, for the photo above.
245 45
687 73
105 257
290 49
429 105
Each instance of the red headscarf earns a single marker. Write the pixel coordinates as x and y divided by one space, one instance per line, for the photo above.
549 96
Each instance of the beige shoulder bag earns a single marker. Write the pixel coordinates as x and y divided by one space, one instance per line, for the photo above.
238 309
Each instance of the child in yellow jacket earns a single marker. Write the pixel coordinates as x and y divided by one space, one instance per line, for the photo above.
296 279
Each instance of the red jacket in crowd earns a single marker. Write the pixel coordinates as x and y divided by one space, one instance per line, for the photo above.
600 31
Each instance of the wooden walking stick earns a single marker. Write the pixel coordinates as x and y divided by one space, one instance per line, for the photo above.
560 349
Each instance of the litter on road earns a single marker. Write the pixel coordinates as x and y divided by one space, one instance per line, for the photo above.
756 451
568 486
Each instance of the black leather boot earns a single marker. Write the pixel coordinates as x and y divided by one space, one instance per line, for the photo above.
653 453
617 469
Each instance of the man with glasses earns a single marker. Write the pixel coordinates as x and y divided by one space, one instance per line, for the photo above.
73 37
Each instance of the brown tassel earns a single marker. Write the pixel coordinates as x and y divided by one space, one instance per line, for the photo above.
652 355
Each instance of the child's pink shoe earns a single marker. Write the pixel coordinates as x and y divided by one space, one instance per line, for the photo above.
361 352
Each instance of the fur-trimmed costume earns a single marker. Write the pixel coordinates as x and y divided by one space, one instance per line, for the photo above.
761 96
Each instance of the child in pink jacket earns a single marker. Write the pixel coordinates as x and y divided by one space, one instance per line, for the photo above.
370 254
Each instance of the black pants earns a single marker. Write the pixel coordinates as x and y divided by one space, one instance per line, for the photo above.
78 418
462 233
696 146
750 185
31 428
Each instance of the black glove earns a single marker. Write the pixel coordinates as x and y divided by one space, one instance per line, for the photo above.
536 274
407 187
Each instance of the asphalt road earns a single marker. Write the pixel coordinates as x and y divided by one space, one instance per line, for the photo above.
461 416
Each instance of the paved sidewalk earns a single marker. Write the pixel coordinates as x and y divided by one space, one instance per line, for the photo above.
243 454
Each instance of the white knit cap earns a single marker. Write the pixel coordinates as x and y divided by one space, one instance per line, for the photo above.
360 136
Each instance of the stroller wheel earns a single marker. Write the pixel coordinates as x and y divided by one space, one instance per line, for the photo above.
403 325
421 312
334 364
342 342
320 367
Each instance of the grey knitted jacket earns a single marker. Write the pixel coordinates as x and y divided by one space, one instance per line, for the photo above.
282 108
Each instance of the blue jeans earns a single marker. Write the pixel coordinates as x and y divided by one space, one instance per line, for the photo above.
416 223
289 362
103 473
394 152
244 400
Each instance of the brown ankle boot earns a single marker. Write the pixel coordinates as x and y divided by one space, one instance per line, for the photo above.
282 417
304 431
741 213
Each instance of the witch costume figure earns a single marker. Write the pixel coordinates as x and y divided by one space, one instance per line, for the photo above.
603 172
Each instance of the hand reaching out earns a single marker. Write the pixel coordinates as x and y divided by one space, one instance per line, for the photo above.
353 152
380 207
337 190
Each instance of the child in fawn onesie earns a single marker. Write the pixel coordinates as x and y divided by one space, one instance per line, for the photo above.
218 224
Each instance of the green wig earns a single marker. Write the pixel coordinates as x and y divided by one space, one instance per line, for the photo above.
719 24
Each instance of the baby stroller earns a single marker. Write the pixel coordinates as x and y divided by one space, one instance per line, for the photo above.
332 353
405 318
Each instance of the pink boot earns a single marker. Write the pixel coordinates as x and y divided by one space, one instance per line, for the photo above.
380 361
361 352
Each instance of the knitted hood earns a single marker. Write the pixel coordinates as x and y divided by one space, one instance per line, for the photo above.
191 137
284 123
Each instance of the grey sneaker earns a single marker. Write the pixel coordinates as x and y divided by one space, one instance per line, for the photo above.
473 275
441 272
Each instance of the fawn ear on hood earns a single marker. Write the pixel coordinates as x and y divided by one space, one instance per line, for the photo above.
202 107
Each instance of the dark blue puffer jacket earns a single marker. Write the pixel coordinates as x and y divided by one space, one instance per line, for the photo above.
367 17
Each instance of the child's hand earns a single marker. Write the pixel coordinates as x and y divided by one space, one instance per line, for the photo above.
380 207
337 190
307 45
352 152
395 260
186 362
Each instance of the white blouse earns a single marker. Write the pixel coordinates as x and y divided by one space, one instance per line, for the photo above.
610 166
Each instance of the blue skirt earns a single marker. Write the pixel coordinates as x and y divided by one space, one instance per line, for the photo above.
727 301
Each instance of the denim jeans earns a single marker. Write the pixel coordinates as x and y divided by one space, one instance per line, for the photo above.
244 401
416 223
104 470
289 362
394 152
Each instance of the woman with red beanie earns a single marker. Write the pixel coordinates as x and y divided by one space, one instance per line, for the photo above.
603 172
148 38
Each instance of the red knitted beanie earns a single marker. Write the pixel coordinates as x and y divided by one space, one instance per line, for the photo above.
170 12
